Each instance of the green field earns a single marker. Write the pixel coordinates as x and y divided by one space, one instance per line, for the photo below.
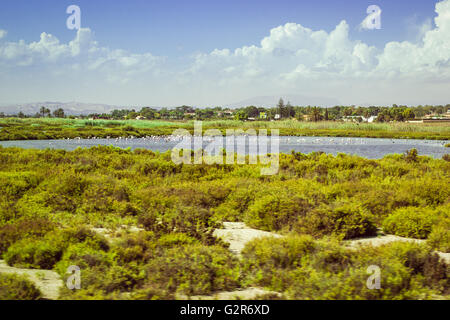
42 129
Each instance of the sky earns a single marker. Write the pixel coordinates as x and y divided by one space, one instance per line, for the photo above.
206 53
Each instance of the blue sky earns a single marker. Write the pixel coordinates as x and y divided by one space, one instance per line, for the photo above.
162 52
165 26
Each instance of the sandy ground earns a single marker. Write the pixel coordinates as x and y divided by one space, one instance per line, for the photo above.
379 241
47 281
384 239
242 294
237 234
110 235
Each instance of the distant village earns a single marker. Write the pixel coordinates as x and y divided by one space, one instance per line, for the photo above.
282 111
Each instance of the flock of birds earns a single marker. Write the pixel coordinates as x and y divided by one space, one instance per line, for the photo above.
283 140
286 143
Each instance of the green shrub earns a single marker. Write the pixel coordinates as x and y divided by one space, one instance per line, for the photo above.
195 222
276 211
176 239
103 275
135 247
271 252
410 222
434 270
325 270
344 219
45 252
439 238
84 256
14 287
23 228
271 262
193 270
33 253
411 155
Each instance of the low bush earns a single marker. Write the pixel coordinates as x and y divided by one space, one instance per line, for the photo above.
193 270
275 211
23 228
323 269
45 252
411 222
271 253
102 276
33 253
439 237
194 222
14 287
343 219
411 155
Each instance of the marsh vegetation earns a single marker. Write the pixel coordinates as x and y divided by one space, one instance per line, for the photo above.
55 128
52 203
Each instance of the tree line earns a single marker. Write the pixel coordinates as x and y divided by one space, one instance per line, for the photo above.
281 111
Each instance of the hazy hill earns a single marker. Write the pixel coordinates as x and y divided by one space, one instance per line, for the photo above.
73 108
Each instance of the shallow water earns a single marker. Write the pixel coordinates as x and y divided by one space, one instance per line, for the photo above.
366 147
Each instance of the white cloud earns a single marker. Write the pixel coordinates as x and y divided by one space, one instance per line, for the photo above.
298 58
291 59
3 33
431 58
83 54
291 51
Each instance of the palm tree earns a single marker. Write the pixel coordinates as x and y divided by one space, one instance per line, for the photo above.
280 107
59 113
43 111
315 113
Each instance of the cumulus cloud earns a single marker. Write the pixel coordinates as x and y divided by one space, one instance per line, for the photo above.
293 56
82 53
291 51
3 33
291 59
430 58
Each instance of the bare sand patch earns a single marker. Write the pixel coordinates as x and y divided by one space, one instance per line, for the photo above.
379 241
47 281
110 234
240 294
237 234
385 239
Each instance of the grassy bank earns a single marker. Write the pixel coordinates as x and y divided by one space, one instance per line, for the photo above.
51 200
42 129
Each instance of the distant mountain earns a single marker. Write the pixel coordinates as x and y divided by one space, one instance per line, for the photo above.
70 108
77 108
294 99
